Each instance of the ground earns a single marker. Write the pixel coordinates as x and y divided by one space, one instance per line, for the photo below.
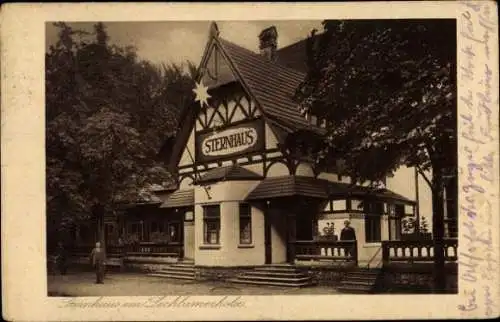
137 284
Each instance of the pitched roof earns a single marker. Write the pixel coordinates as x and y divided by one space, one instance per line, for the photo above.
179 198
294 56
231 172
288 186
272 84
291 185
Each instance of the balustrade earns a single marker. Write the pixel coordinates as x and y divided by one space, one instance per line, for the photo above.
154 249
416 250
138 249
326 250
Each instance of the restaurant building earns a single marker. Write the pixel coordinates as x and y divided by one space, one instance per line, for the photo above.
247 192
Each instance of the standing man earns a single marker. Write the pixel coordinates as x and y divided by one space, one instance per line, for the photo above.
98 259
348 234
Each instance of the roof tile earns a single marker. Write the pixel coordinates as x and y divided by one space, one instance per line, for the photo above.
231 172
179 198
289 186
272 84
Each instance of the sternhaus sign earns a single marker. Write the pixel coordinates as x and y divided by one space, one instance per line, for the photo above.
233 141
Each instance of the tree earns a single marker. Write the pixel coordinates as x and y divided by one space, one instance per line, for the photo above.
107 113
387 91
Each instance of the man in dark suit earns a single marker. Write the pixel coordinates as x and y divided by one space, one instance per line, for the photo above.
348 234
98 259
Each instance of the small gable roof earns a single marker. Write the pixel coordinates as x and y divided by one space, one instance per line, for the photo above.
179 198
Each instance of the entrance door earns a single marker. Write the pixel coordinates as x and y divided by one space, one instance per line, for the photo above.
267 238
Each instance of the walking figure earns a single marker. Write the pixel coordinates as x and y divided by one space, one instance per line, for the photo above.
98 260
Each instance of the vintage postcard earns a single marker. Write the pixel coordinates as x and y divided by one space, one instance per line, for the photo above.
250 161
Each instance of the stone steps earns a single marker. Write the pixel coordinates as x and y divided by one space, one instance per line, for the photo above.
274 275
171 276
361 281
181 270
270 283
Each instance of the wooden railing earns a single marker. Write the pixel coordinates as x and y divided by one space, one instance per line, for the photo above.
138 249
154 249
416 250
326 250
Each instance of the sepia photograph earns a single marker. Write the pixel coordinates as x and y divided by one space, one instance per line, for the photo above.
248 162
288 157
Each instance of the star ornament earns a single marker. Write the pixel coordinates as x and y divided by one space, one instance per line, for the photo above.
201 92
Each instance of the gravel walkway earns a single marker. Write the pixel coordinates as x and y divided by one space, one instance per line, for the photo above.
136 284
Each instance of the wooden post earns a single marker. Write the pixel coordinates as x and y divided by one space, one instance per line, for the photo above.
385 253
291 228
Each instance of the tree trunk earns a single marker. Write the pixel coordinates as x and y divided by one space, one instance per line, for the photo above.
99 216
438 233
451 187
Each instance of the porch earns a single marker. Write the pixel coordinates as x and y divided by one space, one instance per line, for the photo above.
311 252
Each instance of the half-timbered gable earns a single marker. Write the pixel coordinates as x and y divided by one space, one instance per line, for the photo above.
248 191
245 92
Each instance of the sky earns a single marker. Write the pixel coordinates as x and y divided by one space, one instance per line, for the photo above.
176 42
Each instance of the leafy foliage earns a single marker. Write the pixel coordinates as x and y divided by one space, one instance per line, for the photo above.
387 91
107 113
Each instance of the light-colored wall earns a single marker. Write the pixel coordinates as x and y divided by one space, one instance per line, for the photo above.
228 195
271 140
403 183
304 169
230 252
355 204
425 198
278 237
277 170
185 159
238 115
337 219
257 168
186 183
189 240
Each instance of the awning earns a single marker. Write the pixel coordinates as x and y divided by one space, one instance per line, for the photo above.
179 198
226 173
290 186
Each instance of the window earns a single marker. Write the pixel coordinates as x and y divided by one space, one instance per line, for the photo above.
396 212
174 232
373 213
372 228
245 224
211 224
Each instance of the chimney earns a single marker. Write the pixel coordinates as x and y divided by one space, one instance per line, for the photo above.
268 42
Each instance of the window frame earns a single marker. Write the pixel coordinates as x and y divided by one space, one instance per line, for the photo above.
178 232
211 219
373 212
245 215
